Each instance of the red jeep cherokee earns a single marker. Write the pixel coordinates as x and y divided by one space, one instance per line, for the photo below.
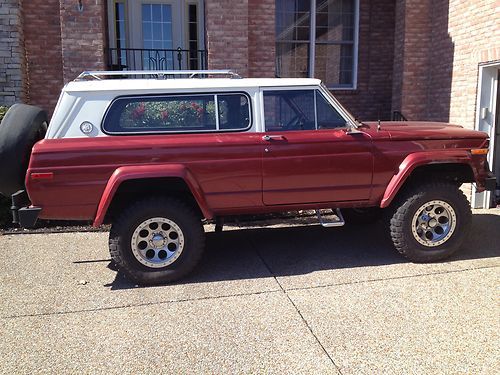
156 157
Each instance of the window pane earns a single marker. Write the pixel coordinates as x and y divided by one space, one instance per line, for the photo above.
293 20
289 110
234 111
156 12
156 29
146 12
334 64
334 40
292 59
327 115
335 20
168 114
193 37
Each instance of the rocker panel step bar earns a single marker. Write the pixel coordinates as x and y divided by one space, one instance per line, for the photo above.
327 224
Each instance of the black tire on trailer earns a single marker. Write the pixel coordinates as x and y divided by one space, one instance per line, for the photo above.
157 240
430 221
22 126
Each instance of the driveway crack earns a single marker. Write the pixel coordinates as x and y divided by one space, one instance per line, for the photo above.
55 313
296 309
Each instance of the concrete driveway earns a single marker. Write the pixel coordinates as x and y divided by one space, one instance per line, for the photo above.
291 300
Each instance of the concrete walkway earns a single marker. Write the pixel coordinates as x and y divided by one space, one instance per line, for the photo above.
291 300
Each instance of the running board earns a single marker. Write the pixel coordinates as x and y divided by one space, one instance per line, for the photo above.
336 223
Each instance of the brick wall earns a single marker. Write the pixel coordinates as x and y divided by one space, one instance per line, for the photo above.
372 98
60 42
474 30
83 35
12 88
439 46
42 40
413 43
226 25
261 38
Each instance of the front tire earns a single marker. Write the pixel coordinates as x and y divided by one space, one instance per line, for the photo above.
156 241
430 221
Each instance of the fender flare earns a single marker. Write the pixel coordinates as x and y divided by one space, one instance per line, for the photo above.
418 159
128 173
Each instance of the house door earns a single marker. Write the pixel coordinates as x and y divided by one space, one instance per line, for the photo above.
155 35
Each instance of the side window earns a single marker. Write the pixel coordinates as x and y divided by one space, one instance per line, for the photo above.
234 111
327 116
180 113
295 110
289 110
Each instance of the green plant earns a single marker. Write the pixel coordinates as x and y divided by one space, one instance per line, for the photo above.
3 111
169 114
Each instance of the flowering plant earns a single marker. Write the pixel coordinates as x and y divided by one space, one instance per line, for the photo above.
169 114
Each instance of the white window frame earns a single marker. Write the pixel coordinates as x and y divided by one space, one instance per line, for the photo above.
312 47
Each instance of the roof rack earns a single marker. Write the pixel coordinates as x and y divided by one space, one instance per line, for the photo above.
159 73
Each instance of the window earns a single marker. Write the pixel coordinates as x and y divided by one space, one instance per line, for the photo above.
299 110
178 113
156 34
323 45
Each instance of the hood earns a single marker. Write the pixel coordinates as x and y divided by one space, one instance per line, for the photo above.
407 130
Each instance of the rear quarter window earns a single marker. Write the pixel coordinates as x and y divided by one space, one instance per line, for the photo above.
178 114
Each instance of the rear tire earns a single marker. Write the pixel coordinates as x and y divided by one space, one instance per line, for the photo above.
156 241
430 221
22 126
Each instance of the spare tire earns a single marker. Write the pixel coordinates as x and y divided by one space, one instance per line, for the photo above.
22 126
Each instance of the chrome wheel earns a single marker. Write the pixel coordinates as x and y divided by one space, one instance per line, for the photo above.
434 223
157 242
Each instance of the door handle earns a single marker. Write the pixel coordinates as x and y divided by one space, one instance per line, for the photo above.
273 138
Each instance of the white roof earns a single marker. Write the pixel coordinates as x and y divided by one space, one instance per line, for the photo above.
184 83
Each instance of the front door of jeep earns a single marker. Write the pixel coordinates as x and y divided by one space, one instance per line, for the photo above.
308 156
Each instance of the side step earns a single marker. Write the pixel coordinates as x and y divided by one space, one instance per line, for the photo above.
325 217
337 222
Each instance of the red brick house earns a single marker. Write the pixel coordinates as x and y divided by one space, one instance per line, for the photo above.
428 60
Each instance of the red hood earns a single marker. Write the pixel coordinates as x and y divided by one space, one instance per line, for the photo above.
408 130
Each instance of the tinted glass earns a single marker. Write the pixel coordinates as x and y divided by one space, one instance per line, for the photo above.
186 113
289 110
234 111
327 115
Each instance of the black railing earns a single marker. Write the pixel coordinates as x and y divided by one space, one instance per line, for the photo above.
398 116
156 59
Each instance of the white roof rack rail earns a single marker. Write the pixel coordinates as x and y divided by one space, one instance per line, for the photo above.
158 73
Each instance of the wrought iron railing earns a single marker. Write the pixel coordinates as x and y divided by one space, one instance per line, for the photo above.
156 59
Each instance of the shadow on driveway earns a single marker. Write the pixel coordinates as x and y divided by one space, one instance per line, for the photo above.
240 254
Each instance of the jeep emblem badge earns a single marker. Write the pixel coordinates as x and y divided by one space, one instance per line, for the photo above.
86 127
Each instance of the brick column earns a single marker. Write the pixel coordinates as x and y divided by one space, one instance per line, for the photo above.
42 42
226 24
412 46
12 88
261 38
83 35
